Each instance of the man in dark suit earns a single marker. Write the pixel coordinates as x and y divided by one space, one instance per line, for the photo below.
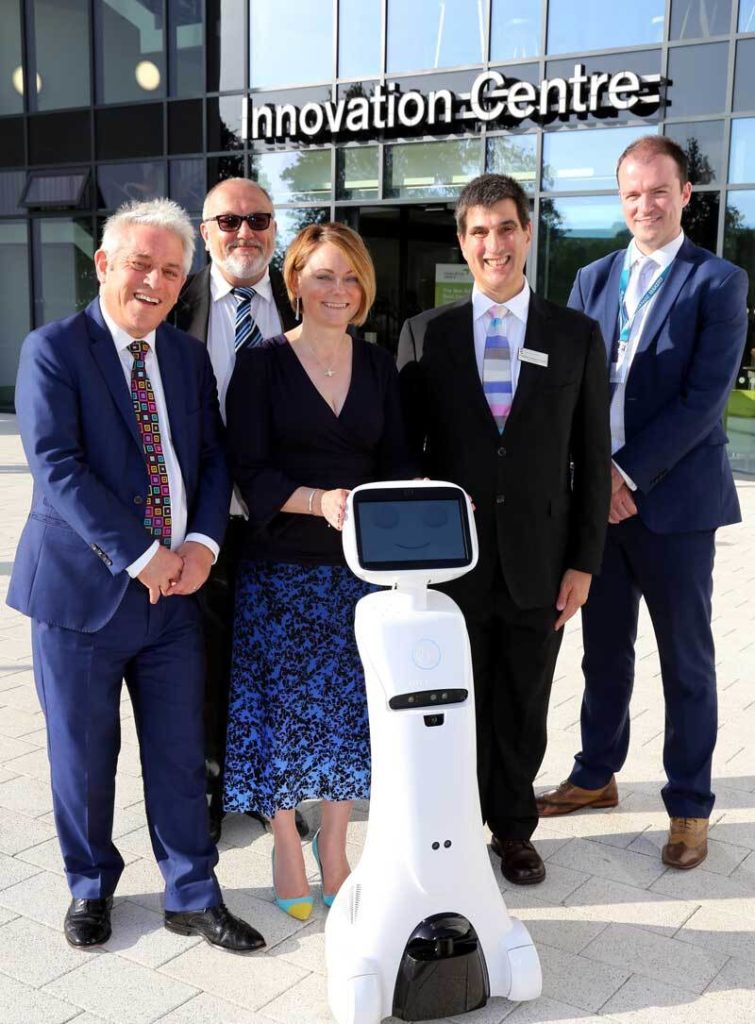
674 319
119 420
508 394
236 301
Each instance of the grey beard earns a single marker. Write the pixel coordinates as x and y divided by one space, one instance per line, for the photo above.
250 265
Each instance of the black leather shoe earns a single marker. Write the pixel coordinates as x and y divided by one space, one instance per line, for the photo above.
216 925
301 822
87 922
521 864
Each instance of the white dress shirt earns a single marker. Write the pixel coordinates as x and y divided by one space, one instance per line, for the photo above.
661 258
221 337
221 331
178 506
514 326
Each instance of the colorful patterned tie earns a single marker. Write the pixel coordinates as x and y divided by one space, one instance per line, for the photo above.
247 331
157 517
496 368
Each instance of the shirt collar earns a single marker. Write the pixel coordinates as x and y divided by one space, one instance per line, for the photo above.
219 287
662 256
121 339
519 304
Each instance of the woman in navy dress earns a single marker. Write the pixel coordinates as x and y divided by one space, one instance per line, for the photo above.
311 414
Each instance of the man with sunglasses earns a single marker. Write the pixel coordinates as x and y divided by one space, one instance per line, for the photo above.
235 301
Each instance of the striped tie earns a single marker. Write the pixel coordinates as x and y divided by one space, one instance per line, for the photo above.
496 368
247 331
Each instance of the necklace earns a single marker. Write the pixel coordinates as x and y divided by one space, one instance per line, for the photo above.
328 370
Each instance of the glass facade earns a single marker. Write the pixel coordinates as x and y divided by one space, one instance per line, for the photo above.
362 111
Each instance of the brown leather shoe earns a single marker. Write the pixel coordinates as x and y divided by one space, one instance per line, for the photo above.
687 844
567 798
521 864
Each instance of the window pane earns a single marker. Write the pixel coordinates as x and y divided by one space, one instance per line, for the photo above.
129 50
60 138
742 159
290 223
296 177
187 183
744 76
703 142
435 34
185 126
185 40
573 233
224 129
226 31
515 30
297 57
66 281
359 38
697 19
11 186
747 15
358 173
119 183
429 170
515 155
585 160
221 167
694 92
134 131
700 219
56 190
592 27
14 299
61 45
739 247
12 78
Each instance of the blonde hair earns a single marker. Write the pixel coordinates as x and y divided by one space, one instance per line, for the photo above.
349 243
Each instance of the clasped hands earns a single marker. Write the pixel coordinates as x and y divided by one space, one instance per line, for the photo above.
179 572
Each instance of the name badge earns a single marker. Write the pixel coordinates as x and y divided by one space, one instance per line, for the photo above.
531 355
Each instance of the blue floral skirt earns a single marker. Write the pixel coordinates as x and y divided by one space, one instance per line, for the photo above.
297 723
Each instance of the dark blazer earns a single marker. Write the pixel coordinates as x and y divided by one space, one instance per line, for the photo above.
542 488
192 311
678 385
85 452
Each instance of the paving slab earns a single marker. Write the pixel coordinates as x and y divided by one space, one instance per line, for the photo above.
22 1004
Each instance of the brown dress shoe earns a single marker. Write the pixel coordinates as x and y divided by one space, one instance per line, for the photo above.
521 864
687 844
567 798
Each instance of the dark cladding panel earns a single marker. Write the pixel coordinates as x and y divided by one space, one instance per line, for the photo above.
131 131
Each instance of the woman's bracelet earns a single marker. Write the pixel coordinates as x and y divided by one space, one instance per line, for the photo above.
311 499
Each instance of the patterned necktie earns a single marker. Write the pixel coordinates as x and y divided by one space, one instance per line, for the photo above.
496 368
247 331
157 517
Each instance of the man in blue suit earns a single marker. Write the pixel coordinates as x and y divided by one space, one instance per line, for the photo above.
674 319
119 418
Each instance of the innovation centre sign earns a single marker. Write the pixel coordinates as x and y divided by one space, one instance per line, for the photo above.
493 99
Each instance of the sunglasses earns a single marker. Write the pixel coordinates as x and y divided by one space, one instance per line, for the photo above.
233 221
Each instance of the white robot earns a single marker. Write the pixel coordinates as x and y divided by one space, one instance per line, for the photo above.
419 930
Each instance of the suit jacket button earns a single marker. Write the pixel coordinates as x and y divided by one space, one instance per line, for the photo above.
501 451
138 500
499 499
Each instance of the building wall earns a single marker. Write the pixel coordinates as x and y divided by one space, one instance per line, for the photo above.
106 100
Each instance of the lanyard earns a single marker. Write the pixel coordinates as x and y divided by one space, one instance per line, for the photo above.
619 369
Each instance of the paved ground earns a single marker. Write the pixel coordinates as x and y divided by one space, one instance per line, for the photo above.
620 937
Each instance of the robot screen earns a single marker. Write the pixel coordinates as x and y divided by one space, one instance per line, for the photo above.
412 528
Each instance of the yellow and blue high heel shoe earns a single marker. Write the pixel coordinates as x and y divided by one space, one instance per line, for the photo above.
299 907
327 897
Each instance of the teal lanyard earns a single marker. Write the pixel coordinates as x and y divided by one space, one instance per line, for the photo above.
618 367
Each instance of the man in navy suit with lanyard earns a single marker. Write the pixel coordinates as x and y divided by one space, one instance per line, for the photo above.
674 319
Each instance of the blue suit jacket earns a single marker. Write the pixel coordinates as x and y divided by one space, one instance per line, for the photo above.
83 446
678 384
